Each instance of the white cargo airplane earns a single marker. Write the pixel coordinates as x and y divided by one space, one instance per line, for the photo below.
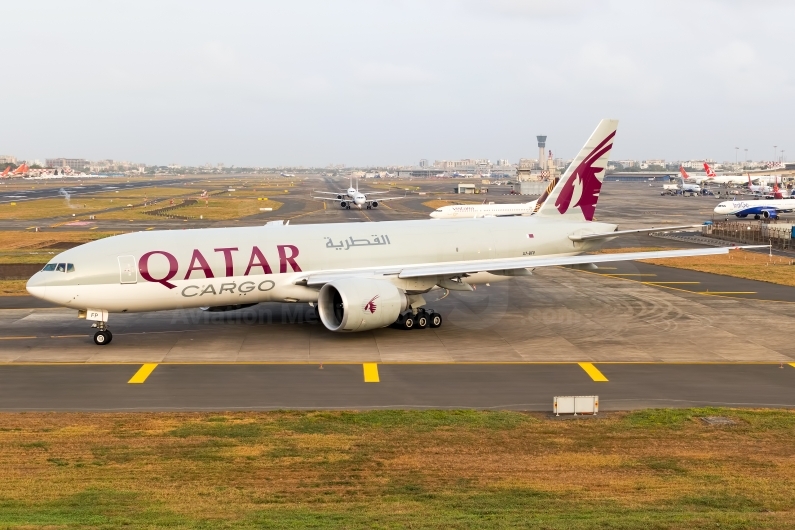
353 197
362 276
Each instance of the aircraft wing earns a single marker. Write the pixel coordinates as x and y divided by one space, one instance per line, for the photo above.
603 235
503 266
330 192
332 199
385 199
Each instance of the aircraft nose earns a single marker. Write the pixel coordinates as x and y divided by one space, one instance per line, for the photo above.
37 285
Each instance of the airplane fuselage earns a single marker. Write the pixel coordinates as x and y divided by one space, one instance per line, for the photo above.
147 271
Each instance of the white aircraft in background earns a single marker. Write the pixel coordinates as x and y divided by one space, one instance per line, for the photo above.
758 189
470 211
710 177
736 179
283 174
762 208
360 276
688 187
353 197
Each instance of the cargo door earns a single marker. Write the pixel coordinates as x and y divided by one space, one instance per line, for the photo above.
127 269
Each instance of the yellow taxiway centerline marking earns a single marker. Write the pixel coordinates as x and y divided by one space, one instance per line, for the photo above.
618 274
151 228
678 283
791 364
66 336
593 371
142 373
16 338
371 373
93 228
30 228
726 292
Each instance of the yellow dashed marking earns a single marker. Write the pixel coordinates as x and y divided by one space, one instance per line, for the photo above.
151 228
670 283
16 338
593 371
617 274
142 373
726 292
371 373
93 228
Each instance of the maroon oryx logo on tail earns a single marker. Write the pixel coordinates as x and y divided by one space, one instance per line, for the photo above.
584 179
370 306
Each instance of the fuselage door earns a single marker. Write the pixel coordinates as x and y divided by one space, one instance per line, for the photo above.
127 272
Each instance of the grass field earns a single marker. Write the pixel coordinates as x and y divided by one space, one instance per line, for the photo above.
738 263
395 469
438 203
13 288
227 208
39 247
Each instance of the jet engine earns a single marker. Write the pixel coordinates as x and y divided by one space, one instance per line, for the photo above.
770 214
356 304
375 204
343 204
339 196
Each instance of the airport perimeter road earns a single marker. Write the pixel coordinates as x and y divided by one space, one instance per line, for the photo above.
392 386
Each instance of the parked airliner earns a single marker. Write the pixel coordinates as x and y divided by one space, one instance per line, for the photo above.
360 276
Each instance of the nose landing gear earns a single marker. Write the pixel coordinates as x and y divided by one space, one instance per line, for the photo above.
103 336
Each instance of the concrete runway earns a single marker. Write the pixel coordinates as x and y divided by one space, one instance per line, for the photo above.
344 386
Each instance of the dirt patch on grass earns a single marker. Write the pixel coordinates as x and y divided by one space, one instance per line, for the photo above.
434 469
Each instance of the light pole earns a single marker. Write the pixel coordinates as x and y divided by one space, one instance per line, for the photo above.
775 152
736 150
746 154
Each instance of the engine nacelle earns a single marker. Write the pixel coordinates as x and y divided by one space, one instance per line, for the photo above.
343 204
360 304
770 214
375 204
339 196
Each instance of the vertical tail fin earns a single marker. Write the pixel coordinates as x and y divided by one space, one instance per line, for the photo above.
576 193
710 172
683 173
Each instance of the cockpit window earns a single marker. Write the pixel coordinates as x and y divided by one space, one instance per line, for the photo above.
59 267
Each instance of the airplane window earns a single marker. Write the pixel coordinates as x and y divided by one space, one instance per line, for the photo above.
70 267
61 267
49 267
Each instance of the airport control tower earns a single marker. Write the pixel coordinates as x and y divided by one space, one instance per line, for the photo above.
542 143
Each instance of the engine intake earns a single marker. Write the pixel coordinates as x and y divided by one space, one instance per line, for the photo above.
356 304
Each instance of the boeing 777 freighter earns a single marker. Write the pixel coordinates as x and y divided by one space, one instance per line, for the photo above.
361 276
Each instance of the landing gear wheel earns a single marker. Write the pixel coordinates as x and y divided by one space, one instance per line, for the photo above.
435 320
103 337
347 207
422 321
409 322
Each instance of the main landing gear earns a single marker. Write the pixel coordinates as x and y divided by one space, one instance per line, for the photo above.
103 336
421 320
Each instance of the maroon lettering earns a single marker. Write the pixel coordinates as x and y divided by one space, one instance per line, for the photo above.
256 254
230 268
202 265
173 266
284 259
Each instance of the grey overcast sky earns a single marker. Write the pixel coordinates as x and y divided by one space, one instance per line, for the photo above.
389 82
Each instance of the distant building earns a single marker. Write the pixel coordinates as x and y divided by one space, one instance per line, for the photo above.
424 162
8 159
74 163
